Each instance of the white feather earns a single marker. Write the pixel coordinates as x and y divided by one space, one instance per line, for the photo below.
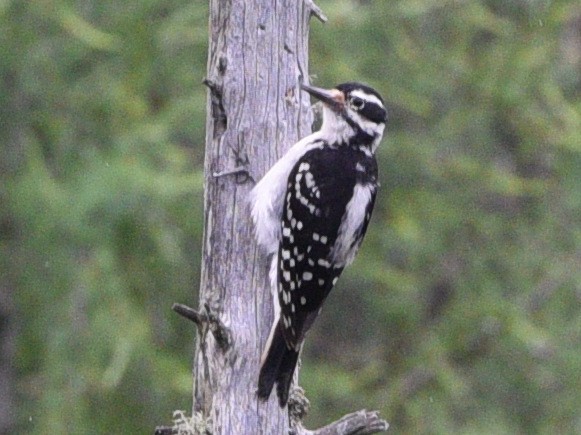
343 252
273 275
267 197
334 128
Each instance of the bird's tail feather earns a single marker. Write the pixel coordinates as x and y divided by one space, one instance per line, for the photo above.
277 367
285 376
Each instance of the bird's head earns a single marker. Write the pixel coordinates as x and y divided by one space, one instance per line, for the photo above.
353 113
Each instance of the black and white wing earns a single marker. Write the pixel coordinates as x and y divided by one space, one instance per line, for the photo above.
325 215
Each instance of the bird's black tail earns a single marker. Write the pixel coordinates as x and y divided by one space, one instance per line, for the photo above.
278 367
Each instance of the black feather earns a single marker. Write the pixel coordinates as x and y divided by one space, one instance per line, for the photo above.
278 366
285 376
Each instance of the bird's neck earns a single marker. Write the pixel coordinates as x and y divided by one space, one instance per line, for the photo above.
339 131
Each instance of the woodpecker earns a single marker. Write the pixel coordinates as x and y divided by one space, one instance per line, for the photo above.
310 212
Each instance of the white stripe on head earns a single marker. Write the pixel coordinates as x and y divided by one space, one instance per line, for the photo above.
369 127
367 97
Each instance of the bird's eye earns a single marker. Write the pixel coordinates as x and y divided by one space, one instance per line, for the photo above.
357 103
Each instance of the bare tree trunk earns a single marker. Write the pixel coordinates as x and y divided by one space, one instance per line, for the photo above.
258 50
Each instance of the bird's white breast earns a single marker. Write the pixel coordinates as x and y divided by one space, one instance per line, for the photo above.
344 250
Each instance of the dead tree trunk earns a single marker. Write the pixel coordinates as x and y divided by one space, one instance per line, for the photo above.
258 51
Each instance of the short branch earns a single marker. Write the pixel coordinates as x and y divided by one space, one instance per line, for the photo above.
357 423
237 170
219 330
189 313
316 11
241 173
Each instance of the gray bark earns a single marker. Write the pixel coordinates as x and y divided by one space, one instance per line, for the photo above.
257 52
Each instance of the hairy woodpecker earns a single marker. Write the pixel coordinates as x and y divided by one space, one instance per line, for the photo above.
311 212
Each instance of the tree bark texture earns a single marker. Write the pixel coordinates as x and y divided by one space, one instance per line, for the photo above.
257 52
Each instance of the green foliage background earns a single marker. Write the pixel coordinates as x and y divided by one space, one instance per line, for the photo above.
462 312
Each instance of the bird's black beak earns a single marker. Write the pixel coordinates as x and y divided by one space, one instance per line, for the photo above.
333 98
